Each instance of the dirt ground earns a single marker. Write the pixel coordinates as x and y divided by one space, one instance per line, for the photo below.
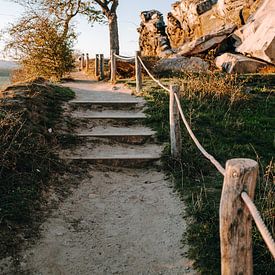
117 220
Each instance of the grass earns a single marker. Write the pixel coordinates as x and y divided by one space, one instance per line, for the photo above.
233 117
29 115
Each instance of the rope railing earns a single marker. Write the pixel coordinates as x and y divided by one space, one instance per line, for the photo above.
249 203
125 58
259 223
244 195
200 147
156 80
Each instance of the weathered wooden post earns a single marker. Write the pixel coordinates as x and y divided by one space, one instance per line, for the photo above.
101 66
138 73
175 133
82 64
87 62
113 67
235 218
96 65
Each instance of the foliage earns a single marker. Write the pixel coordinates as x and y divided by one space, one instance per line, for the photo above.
43 38
27 153
232 119
41 48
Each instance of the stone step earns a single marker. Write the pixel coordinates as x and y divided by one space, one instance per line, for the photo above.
131 135
106 105
111 114
116 155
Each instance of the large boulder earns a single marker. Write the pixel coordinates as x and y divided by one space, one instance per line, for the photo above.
257 37
153 40
237 63
181 64
206 42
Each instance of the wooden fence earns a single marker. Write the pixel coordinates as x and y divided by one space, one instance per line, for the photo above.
240 175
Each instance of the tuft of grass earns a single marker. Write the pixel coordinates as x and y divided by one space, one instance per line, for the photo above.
232 119
29 114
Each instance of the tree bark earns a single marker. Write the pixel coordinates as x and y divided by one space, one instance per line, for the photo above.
113 32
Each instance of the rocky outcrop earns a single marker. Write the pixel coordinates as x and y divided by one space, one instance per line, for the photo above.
194 27
236 63
181 64
153 40
257 37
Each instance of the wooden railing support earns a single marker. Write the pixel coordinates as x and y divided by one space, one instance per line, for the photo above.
235 218
96 65
113 66
82 62
87 62
175 133
138 73
101 66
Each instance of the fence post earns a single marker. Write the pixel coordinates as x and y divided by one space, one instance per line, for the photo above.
235 218
138 73
101 66
175 133
87 62
96 65
82 62
113 67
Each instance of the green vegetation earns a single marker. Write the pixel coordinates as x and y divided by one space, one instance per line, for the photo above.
28 161
233 118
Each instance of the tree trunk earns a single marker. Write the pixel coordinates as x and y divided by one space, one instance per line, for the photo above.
113 32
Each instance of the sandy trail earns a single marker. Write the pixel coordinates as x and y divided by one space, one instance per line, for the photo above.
117 221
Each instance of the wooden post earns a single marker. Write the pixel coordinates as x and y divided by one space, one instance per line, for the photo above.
101 66
175 133
87 62
235 218
82 64
138 73
113 67
96 65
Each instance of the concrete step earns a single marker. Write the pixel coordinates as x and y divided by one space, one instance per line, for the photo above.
115 155
131 135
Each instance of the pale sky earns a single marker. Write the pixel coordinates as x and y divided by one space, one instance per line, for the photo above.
95 39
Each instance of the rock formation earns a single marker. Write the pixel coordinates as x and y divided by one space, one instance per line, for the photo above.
191 19
153 39
181 64
237 63
194 27
257 37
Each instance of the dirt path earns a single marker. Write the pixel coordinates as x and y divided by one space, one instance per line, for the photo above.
118 220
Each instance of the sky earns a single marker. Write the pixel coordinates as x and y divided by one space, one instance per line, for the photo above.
95 39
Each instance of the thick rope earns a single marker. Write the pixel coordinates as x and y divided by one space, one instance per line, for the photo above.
125 58
259 223
157 81
203 151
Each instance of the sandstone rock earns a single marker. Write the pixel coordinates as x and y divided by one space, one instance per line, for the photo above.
232 7
236 63
257 37
153 39
191 19
206 42
181 64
